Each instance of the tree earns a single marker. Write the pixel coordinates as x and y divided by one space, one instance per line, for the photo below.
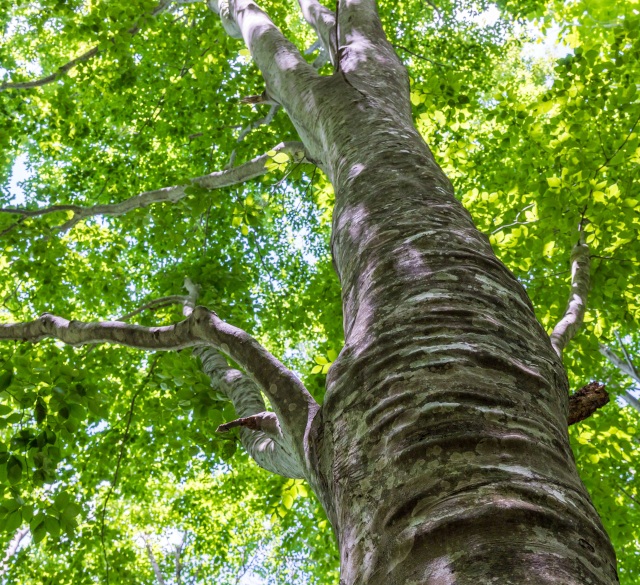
440 447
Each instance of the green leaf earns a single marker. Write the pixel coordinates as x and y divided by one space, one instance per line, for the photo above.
40 410
38 529
14 470
5 379
13 521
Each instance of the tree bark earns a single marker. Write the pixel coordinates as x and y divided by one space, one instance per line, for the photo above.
441 451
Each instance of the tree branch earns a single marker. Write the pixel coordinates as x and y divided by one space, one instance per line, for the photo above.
265 442
217 180
567 327
265 120
12 548
267 422
177 554
260 431
63 69
584 402
292 403
627 368
323 21
154 564
155 304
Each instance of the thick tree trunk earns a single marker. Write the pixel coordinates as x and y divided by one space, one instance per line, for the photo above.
442 443
443 440
441 453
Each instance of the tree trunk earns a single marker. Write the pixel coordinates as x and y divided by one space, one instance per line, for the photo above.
443 444
442 453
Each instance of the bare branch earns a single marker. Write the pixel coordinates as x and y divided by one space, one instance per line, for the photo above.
262 438
422 57
567 327
265 120
177 553
584 402
292 403
154 564
12 548
266 422
63 69
217 180
627 357
260 431
623 365
627 368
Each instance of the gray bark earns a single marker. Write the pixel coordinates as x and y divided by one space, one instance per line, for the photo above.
573 316
442 450
216 180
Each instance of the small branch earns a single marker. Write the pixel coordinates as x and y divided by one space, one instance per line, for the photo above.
435 9
623 365
422 57
63 69
12 548
261 436
584 402
177 553
154 564
567 327
627 368
323 21
240 174
627 358
155 304
516 221
116 473
264 121
260 431
267 422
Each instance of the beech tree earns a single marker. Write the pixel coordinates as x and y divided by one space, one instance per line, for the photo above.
432 429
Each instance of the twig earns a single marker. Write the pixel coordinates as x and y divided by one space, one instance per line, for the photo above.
116 473
432 61
155 304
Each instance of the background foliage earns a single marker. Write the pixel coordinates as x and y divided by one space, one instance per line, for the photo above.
105 453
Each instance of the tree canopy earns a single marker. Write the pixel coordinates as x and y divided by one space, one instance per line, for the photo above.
145 164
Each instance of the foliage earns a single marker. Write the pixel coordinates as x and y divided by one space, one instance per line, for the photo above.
102 447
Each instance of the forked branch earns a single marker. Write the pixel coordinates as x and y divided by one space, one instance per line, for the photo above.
292 403
323 21
261 435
